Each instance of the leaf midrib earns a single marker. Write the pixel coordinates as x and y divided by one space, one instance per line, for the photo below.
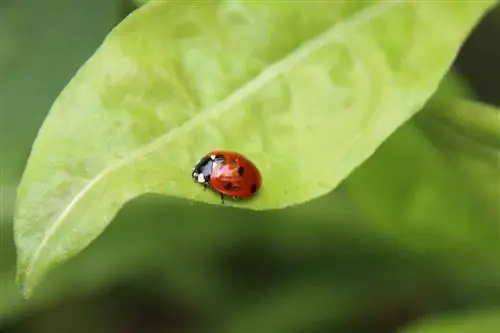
333 33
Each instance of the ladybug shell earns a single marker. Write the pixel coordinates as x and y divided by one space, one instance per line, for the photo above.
237 176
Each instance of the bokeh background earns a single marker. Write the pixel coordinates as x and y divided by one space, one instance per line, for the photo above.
405 238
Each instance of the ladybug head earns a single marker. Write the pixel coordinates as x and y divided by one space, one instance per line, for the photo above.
202 170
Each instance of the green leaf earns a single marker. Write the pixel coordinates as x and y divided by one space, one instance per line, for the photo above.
479 121
467 134
483 321
306 91
421 201
410 192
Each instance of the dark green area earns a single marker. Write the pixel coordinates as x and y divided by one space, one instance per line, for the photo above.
406 237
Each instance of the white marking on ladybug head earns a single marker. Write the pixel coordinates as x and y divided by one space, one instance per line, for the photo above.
212 157
201 178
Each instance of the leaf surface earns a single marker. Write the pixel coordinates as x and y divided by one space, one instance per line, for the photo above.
308 92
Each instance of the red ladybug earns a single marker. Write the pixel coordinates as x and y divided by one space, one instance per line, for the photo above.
228 173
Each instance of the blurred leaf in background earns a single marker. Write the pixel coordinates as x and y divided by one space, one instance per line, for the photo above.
467 134
43 45
362 259
485 321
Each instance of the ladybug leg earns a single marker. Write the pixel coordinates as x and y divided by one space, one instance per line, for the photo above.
205 187
221 197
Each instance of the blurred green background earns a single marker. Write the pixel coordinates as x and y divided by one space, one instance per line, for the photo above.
408 239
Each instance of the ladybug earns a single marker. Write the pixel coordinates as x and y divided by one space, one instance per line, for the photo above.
228 173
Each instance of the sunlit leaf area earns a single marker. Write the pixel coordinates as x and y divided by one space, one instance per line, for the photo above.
374 125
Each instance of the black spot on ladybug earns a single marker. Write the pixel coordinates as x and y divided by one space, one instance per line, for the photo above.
253 189
241 170
228 186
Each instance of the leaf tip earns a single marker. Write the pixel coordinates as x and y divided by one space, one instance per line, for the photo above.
23 280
